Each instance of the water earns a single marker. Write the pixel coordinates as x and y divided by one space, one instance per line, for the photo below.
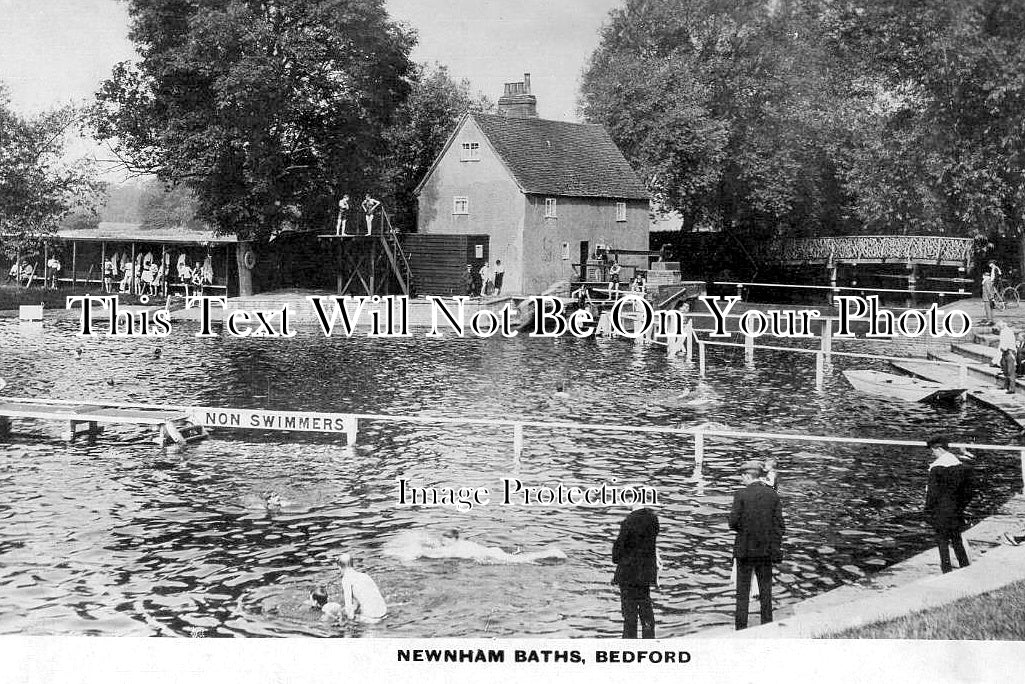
123 538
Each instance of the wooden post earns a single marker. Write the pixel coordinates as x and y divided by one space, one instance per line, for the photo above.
701 358
103 265
1023 470
699 448
74 264
373 267
339 250
690 341
819 370
827 341
911 284
517 440
351 426
227 271
245 275
749 350
832 283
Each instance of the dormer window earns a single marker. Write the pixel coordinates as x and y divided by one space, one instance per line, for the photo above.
470 152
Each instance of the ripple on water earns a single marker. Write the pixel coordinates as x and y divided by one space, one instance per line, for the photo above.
119 537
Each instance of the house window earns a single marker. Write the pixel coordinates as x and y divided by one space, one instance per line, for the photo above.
621 211
470 151
550 211
461 205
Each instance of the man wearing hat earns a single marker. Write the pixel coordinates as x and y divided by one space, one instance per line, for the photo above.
757 518
950 489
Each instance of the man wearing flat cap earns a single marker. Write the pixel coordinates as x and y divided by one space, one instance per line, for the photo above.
947 495
757 518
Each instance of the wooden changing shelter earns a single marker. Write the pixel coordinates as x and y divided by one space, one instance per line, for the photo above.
83 252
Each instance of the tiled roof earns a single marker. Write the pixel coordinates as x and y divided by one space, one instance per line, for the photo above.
561 158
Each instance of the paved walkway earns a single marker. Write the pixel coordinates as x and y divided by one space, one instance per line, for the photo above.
913 585
973 307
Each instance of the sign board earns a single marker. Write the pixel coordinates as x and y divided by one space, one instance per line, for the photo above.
257 419
478 251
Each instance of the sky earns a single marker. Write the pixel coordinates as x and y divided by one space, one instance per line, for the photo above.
56 51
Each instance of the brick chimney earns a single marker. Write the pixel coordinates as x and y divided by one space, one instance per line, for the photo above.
517 102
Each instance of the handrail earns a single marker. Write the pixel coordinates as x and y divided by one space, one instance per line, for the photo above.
802 350
540 424
699 432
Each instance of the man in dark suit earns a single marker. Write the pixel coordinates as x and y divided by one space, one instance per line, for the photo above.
947 495
757 518
637 566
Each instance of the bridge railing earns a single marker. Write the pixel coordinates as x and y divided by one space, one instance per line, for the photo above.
921 249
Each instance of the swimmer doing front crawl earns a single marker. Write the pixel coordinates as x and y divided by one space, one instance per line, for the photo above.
449 545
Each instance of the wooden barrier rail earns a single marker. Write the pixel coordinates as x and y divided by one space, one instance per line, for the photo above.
700 433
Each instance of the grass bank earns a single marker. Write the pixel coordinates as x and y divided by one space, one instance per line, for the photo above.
997 615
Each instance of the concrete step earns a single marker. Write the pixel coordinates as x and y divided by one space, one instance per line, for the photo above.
978 375
1011 405
989 338
980 353
985 373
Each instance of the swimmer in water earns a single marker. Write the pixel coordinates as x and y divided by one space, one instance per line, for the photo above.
330 610
451 546
360 593
271 500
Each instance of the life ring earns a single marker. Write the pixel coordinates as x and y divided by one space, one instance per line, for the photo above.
249 259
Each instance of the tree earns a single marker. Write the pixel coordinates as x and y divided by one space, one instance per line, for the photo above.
728 110
951 75
38 188
423 124
267 111
169 208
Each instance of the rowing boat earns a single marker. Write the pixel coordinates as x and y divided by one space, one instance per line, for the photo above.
900 386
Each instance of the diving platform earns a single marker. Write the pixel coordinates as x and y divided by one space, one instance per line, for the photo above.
88 419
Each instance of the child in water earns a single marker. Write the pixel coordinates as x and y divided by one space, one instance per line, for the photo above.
331 611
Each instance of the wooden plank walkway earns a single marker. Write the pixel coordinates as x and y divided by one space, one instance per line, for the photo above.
89 413
1012 405
86 418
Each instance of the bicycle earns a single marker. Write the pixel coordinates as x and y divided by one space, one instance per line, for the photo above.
1006 297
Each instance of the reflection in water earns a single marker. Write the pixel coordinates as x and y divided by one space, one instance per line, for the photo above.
120 537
